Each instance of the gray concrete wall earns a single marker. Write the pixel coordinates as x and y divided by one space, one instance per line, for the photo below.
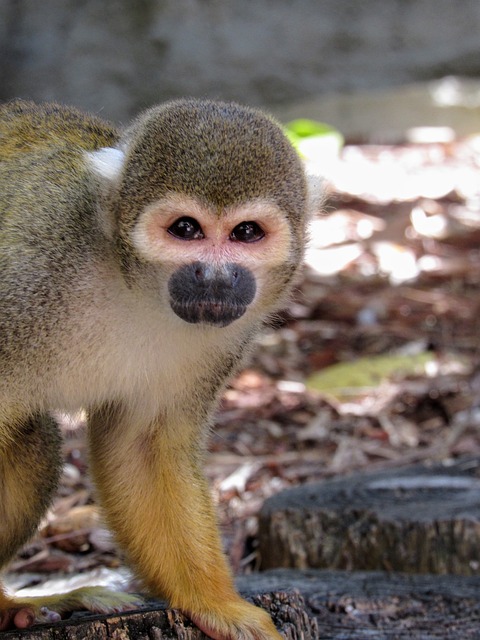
117 56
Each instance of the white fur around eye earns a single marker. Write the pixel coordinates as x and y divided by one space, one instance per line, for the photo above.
107 162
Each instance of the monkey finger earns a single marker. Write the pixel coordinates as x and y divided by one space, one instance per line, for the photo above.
47 615
26 617
19 618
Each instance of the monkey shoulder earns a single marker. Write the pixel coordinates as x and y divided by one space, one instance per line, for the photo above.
43 168
42 157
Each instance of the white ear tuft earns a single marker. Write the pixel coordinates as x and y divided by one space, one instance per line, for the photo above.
315 193
107 162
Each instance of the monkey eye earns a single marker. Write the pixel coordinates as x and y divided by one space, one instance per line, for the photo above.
247 232
186 228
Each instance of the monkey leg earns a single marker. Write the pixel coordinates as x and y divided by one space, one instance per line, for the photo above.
30 465
158 504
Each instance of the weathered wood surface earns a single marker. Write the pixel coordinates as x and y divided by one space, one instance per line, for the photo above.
419 519
313 605
381 606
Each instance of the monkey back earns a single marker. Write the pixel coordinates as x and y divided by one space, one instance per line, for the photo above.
26 126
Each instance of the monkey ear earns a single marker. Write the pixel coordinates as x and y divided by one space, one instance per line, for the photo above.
316 193
107 162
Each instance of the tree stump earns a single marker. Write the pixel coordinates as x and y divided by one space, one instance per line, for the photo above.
422 519
376 605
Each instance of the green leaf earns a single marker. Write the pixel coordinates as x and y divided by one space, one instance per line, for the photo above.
304 128
352 378
313 139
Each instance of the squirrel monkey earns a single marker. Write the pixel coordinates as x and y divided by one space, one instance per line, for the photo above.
135 269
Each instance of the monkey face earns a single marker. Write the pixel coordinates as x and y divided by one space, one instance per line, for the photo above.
213 294
218 264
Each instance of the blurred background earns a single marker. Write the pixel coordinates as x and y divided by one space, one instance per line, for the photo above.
374 66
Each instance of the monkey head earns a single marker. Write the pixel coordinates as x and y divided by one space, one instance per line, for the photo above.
209 200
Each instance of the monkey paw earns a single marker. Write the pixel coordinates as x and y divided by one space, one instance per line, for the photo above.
237 620
22 613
